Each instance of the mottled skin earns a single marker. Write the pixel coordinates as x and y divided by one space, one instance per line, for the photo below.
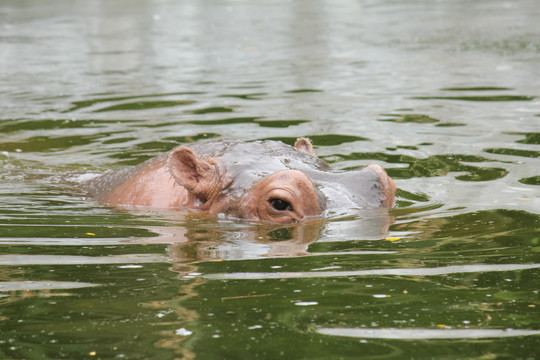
262 180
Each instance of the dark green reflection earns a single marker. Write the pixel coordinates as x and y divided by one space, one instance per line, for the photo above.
435 165
281 123
11 125
142 105
410 118
49 143
87 103
478 98
281 234
450 124
533 180
247 120
412 196
407 147
211 110
405 198
477 88
530 138
254 96
514 152
296 91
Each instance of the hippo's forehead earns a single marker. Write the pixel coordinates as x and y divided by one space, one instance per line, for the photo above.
258 155
248 163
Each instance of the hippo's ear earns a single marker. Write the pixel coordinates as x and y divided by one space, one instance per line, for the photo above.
198 176
304 145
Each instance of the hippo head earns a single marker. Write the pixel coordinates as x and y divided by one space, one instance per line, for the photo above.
283 197
259 181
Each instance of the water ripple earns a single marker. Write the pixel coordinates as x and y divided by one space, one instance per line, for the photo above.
398 272
79 260
42 285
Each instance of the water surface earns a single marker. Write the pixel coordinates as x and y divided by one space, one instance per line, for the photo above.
443 95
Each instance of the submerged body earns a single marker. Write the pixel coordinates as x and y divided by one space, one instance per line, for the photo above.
261 180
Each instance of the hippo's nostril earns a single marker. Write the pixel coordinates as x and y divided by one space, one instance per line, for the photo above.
280 205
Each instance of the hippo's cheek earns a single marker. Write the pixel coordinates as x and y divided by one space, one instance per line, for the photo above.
235 208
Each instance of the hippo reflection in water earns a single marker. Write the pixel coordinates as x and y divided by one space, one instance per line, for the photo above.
262 180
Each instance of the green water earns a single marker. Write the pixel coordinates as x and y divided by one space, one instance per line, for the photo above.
444 95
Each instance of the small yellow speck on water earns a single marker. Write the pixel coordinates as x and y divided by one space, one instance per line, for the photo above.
392 239
495 201
441 325
91 234
524 199
532 305
92 353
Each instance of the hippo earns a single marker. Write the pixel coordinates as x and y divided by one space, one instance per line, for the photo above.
266 181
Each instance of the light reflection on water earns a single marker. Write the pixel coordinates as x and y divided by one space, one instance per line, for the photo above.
418 334
442 95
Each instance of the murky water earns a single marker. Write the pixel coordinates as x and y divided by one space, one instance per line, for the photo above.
444 95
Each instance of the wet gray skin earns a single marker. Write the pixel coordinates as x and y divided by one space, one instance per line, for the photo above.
250 162
247 163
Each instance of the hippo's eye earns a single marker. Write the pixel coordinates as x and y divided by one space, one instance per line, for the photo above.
280 205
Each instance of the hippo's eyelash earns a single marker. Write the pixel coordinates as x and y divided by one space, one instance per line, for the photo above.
280 205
